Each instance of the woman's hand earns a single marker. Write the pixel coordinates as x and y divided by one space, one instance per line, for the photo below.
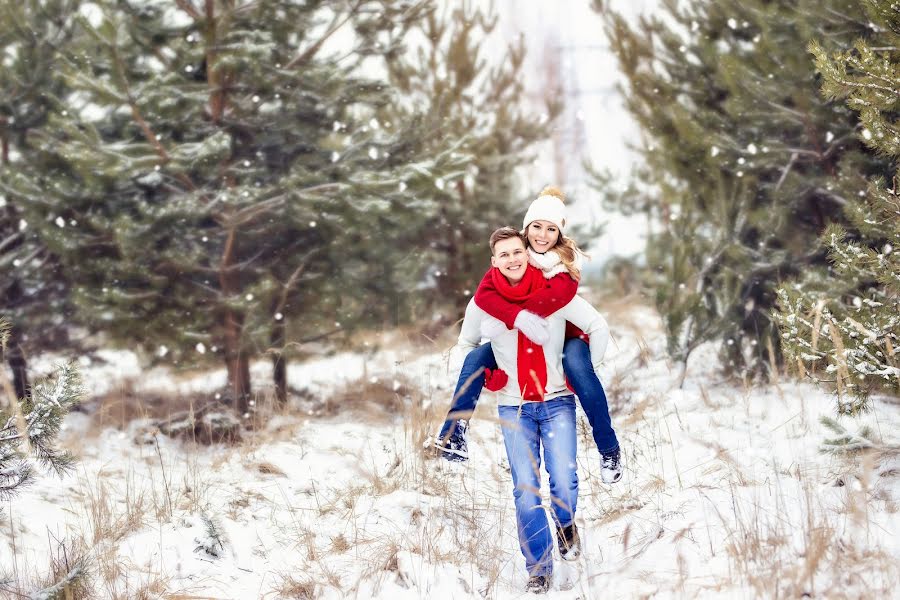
534 327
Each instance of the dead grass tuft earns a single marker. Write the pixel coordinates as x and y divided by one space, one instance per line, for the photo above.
69 575
296 588
267 468
377 400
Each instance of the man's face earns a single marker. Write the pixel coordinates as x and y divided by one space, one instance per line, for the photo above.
510 257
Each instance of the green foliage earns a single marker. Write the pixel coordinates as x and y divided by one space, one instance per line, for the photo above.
847 320
29 426
448 77
213 539
745 164
224 180
33 289
844 441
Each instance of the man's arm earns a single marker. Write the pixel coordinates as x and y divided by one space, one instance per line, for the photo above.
584 316
469 336
558 292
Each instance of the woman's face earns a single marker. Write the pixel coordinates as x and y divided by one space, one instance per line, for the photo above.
542 235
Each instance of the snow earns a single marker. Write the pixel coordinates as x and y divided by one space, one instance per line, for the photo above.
726 492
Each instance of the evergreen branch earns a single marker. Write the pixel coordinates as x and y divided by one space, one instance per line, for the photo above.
62 589
309 53
293 279
786 170
845 442
141 122
188 7
10 240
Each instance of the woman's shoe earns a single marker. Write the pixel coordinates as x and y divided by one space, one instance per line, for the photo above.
611 466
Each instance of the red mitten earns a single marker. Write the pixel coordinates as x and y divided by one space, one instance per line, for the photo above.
495 380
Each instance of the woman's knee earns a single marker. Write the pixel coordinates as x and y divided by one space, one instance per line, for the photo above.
576 357
481 357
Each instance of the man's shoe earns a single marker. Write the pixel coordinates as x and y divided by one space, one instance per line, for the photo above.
611 466
568 542
538 584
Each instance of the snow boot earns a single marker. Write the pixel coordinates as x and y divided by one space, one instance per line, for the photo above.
455 448
538 584
611 466
568 542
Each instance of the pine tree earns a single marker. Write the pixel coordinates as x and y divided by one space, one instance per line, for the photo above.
844 326
744 163
219 172
33 289
29 426
453 80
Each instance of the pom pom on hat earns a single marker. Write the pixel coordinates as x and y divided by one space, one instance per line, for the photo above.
549 206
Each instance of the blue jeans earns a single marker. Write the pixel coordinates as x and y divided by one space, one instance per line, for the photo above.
468 388
550 424
579 370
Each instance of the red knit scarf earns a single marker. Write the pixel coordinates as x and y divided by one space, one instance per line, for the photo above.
531 365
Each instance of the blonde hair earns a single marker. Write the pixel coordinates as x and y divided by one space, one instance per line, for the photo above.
567 250
565 247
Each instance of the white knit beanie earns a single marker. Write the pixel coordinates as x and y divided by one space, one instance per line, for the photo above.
546 208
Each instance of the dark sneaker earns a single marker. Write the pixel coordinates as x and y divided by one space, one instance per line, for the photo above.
538 584
568 542
455 448
610 466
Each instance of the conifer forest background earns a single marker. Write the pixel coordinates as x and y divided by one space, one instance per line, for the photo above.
214 184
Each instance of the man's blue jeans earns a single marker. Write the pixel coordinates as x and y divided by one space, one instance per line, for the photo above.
550 424
578 369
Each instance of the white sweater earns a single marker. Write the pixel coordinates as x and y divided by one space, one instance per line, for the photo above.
505 346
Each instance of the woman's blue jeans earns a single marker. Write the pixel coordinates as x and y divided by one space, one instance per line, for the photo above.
526 429
468 389
578 369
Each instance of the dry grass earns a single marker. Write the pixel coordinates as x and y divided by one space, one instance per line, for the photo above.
812 552
376 400
295 588
326 531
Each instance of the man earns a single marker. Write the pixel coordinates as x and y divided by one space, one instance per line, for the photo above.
536 408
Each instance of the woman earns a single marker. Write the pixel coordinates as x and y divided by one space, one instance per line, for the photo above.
559 258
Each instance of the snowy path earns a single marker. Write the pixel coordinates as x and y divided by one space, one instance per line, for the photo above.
725 492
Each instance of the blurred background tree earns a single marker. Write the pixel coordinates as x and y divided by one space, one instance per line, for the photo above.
34 289
478 100
743 165
844 327
234 179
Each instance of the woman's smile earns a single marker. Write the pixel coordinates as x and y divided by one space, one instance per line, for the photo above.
542 236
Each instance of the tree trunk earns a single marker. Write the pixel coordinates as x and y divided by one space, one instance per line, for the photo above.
236 360
238 366
279 366
16 360
4 142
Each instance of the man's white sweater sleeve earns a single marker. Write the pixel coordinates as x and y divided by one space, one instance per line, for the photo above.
469 336
585 317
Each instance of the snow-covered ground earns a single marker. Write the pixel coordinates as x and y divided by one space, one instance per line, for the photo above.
726 494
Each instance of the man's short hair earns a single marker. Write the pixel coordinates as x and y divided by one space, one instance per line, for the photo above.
505 233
